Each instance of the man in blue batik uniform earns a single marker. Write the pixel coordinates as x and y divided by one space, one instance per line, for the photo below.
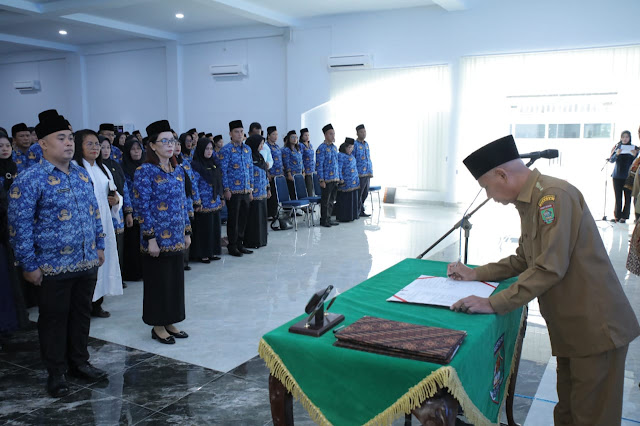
363 160
57 236
21 143
236 163
329 175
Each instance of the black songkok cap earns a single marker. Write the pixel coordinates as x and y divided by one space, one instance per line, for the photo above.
20 127
50 122
254 125
271 129
361 126
305 130
326 128
107 127
216 138
136 132
349 141
158 127
291 132
201 134
209 135
235 124
192 131
491 156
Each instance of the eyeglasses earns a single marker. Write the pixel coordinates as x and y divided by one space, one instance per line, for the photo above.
92 144
167 141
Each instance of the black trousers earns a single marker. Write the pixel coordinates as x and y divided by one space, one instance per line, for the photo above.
238 207
272 203
63 324
328 197
618 190
364 190
308 180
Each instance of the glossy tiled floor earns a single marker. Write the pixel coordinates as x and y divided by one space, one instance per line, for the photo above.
214 376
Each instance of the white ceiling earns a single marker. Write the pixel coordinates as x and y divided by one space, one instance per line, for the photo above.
34 24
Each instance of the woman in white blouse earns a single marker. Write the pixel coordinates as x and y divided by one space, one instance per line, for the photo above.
87 155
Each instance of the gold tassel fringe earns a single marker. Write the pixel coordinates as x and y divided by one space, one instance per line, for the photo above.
444 377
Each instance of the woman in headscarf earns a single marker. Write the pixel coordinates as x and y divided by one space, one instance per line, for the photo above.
255 234
8 169
131 160
347 201
125 214
206 239
186 146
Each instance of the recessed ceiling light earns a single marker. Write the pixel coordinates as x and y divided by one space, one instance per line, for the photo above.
62 32
179 15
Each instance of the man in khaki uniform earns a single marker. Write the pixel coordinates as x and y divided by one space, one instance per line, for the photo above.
562 261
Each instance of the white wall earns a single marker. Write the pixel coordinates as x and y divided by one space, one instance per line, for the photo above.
127 87
210 104
20 107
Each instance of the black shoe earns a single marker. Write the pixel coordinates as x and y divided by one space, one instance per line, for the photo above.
333 223
57 386
178 335
216 258
167 341
124 285
88 372
234 252
187 268
244 250
100 313
363 214
622 220
325 224
613 220
205 261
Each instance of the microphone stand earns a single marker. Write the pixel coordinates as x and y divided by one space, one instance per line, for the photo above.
466 225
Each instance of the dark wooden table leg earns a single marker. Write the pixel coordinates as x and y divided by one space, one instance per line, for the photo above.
281 403
512 384
439 410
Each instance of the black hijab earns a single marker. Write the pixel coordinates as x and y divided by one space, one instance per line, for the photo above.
8 170
114 167
207 167
254 142
129 164
186 152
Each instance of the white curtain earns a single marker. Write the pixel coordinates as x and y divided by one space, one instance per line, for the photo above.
574 86
406 113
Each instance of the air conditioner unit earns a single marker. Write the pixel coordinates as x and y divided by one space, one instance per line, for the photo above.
27 85
350 62
228 70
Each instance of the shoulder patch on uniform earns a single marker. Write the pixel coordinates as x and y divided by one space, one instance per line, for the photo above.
545 199
547 214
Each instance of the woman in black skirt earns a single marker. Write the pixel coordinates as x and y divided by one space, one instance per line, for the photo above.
207 175
348 199
161 203
255 235
132 262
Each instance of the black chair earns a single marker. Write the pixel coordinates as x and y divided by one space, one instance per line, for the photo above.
301 194
286 203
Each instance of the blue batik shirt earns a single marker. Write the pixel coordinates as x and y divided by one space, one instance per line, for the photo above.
292 161
21 160
277 168
34 154
210 203
327 165
308 158
116 153
236 163
363 158
54 220
260 183
118 225
349 172
160 204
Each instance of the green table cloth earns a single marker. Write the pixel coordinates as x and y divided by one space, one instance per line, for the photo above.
341 386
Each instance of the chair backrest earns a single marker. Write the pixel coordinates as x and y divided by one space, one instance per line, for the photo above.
316 185
282 190
301 187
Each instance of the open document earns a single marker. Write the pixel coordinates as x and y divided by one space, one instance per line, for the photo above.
440 291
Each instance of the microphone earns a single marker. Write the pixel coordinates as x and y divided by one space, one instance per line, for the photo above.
547 153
